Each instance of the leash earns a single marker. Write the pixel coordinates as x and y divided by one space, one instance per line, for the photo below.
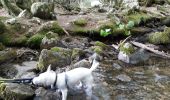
21 80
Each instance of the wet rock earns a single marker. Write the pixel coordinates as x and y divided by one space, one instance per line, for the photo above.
43 94
8 71
25 69
129 55
125 51
117 66
57 57
42 10
16 91
7 55
123 78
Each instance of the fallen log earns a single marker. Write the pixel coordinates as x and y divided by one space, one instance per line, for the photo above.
160 53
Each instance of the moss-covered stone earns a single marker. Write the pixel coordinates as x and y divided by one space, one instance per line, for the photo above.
76 54
159 38
7 55
138 17
57 57
81 22
42 10
97 49
35 40
52 26
15 92
127 48
101 44
11 39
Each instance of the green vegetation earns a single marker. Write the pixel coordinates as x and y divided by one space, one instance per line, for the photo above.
35 40
81 22
160 37
127 48
105 32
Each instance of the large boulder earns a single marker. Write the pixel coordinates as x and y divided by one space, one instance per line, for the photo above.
16 92
7 55
42 10
57 57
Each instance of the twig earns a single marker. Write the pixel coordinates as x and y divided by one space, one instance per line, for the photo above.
161 53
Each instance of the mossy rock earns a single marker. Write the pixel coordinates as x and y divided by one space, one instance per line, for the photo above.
11 39
35 41
52 26
138 17
81 22
76 54
159 38
127 48
57 57
16 92
97 49
7 55
102 45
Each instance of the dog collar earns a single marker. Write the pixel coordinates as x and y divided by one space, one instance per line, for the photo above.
55 82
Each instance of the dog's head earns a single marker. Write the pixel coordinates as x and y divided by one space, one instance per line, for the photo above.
45 79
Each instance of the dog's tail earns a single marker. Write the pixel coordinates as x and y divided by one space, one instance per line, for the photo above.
94 65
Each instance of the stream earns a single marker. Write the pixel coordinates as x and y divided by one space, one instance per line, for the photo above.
115 80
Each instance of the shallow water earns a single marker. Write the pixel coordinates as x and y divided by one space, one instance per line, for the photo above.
148 81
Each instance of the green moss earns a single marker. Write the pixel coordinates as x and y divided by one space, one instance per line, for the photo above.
56 28
53 27
55 49
97 49
101 44
159 38
76 52
138 17
8 55
35 41
127 50
81 22
10 39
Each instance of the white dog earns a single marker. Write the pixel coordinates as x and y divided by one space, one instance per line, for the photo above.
63 81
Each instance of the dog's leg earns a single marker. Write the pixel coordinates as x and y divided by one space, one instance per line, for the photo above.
64 94
88 87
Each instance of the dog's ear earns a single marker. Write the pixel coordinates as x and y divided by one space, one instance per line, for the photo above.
49 68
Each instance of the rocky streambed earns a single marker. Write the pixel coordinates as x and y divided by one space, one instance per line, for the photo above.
29 44
114 79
